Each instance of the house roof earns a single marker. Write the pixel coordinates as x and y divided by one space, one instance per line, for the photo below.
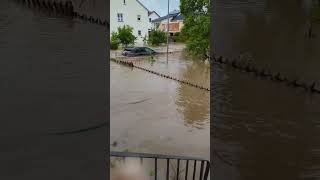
176 15
143 5
150 12
174 12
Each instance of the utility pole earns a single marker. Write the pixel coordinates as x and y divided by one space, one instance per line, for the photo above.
168 31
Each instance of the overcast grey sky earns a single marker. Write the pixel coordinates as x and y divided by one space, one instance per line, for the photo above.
161 6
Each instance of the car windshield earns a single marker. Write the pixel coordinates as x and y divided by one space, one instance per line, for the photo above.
128 49
148 50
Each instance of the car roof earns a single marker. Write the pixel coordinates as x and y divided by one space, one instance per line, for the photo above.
134 48
142 47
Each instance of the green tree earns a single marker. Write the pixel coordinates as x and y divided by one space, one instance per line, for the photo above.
157 37
196 28
125 35
114 41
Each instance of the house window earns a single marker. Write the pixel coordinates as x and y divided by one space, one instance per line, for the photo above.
124 2
149 19
139 17
120 17
139 32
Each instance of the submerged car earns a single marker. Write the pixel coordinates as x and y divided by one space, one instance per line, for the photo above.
138 51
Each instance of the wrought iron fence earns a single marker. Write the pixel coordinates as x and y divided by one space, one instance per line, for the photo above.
204 164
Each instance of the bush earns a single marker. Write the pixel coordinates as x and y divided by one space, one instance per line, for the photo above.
179 37
157 37
125 35
114 45
114 42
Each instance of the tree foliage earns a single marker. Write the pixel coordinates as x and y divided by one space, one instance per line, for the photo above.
157 37
124 35
114 42
179 37
196 28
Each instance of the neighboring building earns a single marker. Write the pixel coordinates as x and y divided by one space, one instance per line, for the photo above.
132 13
152 16
175 22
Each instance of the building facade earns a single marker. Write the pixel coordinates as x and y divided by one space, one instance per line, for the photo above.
132 13
152 16
175 22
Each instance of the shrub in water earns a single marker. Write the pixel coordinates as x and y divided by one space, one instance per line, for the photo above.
125 35
114 42
157 37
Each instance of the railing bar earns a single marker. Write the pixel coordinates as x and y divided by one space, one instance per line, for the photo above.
167 177
206 173
145 155
141 160
187 167
155 168
201 170
178 168
194 169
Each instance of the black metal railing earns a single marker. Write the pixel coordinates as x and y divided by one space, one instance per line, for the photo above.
204 164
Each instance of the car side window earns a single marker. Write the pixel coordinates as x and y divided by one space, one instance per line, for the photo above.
148 50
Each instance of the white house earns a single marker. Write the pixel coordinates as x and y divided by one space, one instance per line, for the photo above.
132 13
152 16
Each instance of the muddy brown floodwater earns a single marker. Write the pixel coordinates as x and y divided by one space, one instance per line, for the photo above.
263 129
52 80
151 114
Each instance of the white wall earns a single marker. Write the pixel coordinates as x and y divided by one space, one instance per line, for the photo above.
153 16
130 11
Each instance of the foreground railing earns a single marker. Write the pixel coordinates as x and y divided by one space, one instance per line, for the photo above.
204 164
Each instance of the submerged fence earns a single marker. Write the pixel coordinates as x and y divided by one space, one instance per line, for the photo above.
268 74
131 64
204 164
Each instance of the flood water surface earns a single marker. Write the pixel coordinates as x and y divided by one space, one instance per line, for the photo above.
53 79
264 129
152 114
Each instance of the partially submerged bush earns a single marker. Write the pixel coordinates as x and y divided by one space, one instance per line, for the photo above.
179 37
157 37
125 35
114 42
114 45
